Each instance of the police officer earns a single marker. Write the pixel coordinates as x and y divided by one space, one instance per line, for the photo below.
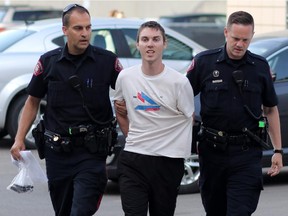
235 85
76 81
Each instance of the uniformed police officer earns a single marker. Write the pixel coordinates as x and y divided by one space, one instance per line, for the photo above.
77 116
235 85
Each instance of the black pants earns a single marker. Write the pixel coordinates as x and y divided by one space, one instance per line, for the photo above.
149 181
230 180
76 182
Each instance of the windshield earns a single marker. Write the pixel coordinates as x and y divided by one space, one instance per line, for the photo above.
9 37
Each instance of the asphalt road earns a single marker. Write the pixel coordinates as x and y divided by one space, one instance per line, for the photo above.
273 201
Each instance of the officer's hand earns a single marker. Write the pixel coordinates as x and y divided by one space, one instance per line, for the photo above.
276 166
16 148
120 107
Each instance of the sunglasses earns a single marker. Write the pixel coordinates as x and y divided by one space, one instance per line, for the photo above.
70 7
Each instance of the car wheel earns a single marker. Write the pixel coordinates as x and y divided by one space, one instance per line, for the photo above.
189 182
3 133
14 117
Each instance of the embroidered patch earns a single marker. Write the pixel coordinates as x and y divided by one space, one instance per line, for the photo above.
191 67
38 69
118 65
272 74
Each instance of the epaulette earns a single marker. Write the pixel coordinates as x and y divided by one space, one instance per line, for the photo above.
253 55
209 52
102 51
53 52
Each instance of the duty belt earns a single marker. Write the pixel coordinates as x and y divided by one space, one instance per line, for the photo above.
94 139
222 136
59 143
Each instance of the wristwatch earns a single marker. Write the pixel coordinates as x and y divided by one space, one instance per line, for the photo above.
280 151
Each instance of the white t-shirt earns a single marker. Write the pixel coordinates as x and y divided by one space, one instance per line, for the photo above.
160 112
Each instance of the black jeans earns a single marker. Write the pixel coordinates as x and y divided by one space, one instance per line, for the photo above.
230 180
149 181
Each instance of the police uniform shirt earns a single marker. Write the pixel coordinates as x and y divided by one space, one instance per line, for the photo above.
97 69
222 104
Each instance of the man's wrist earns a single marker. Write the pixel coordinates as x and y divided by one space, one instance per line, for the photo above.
279 151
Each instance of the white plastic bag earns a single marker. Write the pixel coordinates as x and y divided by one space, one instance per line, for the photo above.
29 173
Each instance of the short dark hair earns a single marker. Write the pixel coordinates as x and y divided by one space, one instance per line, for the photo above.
68 10
240 17
151 24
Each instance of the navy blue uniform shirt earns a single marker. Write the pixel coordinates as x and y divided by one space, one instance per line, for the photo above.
97 69
222 105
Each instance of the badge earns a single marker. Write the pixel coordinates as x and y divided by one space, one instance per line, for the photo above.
216 73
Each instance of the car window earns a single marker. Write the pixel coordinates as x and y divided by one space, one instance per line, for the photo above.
99 38
176 50
130 36
60 41
2 13
219 19
34 15
279 65
103 39
8 38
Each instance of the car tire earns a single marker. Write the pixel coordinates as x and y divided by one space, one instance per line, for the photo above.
13 118
190 180
3 133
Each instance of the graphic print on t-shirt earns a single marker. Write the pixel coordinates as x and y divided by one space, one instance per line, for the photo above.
153 106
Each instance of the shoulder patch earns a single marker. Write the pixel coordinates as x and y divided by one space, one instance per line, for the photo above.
118 65
190 68
102 51
38 69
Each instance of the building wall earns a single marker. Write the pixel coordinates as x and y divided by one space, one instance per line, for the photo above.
268 15
135 8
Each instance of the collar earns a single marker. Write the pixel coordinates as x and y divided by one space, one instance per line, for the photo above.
223 56
88 53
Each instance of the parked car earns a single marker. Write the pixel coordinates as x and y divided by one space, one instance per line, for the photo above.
217 18
206 29
14 15
21 48
276 52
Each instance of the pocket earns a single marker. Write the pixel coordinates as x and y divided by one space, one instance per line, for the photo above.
252 95
60 94
213 93
98 96
215 145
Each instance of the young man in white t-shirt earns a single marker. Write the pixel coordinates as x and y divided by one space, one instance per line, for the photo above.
157 126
